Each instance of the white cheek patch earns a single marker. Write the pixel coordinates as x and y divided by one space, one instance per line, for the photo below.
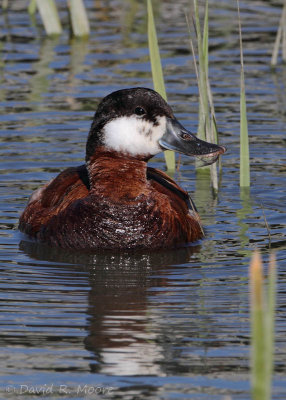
134 135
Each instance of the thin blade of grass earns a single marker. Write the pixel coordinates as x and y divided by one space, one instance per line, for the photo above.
204 124
211 132
32 7
244 143
4 4
50 17
257 327
262 326
207 130
198 80
79 20
156 66
266 226
270 323
206 38
157 73
283 23
194 56
280 37
205 169
275 52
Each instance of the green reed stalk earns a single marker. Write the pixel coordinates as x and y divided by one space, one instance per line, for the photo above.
157 72
262 308
244 142
202 43
32 7
50 17
207 129
79 20
4 4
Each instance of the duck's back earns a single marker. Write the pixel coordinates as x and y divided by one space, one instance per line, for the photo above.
56 196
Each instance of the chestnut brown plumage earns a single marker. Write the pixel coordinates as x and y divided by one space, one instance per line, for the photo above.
115 201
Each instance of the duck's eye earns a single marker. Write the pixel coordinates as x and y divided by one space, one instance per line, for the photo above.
139 111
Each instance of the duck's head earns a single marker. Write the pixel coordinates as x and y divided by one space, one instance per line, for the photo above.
138 123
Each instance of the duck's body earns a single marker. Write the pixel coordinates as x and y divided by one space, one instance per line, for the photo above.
115 201
129 206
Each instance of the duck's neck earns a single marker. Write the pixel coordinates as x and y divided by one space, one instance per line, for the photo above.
116 176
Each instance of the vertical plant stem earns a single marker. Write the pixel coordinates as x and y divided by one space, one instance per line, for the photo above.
262 326
157 73
4 4
204 123
270 322
211 133
280 37
206 39
194 60
275 52
257 327
79 20
244 145
207 127
155 59
283 25
50 17
215 139
32 7
266 225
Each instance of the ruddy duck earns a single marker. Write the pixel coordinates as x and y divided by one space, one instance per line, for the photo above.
114 201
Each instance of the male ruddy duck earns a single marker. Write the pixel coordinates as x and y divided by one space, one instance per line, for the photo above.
114 201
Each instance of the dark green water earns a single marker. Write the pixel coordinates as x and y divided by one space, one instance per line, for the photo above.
166 325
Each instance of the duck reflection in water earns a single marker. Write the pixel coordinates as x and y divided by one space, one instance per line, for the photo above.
120 328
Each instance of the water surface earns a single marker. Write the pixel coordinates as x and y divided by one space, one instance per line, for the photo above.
161 325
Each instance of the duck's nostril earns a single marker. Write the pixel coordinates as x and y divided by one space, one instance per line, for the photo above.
223 149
